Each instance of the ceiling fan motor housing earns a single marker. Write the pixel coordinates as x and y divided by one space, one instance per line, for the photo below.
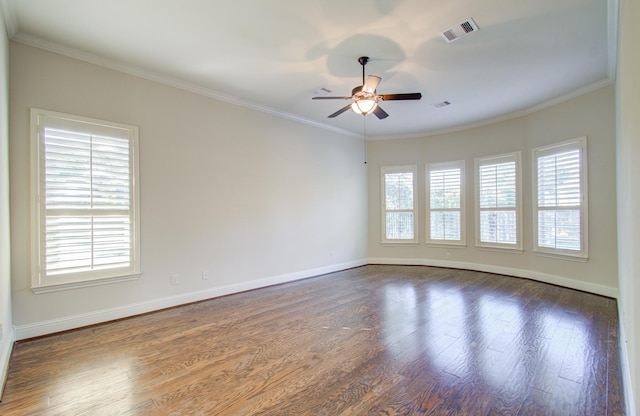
357 94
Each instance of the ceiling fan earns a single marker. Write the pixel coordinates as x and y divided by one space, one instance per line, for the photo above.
365 99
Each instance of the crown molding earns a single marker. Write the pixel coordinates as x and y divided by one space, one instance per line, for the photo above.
613 12
10 19
8 9
168 81
538 107
197 89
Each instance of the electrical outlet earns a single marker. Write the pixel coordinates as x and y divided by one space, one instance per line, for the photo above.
205 275
175 279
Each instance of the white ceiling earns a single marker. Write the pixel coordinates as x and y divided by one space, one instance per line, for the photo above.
274 54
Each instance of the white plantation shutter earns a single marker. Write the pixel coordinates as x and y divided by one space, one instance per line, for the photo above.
87 199
86 186
498 200
398 190
560 186
445 201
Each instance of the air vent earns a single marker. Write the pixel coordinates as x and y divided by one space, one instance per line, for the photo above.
442 104
460 30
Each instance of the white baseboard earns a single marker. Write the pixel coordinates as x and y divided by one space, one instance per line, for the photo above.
37 329
6 347
627 385
608 291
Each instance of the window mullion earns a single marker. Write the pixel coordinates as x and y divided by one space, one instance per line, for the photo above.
91 202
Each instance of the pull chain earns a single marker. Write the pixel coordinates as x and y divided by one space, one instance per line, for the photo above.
364 129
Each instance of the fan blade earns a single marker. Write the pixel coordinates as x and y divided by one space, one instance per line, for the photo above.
380 113
330 98
371 84
410 96
342 110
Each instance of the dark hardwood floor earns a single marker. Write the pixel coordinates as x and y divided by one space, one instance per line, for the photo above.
375 340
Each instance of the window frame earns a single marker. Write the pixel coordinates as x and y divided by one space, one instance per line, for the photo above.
40 282
413 169
498 159
430 167
579 144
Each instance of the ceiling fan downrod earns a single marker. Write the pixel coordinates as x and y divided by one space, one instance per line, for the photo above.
363 61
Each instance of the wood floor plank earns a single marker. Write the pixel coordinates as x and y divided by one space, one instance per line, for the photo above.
374 340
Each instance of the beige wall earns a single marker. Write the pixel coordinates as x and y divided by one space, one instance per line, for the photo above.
249 197
590 115
6 329
628 152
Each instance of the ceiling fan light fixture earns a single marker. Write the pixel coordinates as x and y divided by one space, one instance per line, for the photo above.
364 107
365 99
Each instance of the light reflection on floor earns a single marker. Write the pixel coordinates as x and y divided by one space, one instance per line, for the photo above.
501 324
400 335
111 379
452 329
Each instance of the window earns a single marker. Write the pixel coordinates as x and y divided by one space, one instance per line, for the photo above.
445 203
85 209
498 199
560 210
398 206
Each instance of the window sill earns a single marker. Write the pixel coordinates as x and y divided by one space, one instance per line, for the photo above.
513 250
400 243
442 244
57 287
568 257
